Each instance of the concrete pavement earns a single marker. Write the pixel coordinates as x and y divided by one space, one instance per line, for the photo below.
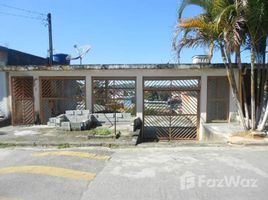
196 173
200 173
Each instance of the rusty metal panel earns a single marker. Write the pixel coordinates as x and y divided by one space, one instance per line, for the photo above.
111 93
59 94
218 99
22 100
171 108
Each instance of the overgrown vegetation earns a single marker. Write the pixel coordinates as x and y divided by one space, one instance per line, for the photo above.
63 146
6 145
233 26
100 131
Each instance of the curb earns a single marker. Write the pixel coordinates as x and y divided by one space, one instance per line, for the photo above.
64 145
126 145
249 143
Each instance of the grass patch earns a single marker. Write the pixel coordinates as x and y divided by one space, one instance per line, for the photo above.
6 145
63 146
100 131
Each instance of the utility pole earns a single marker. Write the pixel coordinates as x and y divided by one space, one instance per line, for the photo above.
50 39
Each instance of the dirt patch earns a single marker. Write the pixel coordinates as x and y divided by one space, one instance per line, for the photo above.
250 135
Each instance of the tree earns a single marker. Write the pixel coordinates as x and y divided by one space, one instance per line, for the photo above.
232 25
212 28
256 13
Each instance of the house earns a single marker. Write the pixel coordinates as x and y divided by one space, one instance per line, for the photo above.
10 57
174 101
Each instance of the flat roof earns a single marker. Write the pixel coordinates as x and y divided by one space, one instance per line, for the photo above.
109 67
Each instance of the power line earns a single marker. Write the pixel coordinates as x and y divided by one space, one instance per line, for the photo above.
36 16
23 16
21 9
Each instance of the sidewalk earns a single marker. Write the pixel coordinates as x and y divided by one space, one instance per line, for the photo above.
45 136
42 135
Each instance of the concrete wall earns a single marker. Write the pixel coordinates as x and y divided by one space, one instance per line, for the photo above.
139 74
4 105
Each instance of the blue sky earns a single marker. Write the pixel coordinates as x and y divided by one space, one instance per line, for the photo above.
119 31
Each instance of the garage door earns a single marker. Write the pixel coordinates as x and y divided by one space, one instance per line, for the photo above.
171 108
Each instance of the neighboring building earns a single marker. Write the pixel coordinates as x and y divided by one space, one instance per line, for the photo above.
10 57
173 101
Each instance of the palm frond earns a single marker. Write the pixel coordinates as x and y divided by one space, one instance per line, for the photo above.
205 4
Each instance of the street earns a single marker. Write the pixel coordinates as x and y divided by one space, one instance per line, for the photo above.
134 173
48 173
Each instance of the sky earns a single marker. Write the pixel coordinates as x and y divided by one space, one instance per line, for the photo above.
119 31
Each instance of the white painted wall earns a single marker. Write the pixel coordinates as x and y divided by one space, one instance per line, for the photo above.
4 106
139 74
233 114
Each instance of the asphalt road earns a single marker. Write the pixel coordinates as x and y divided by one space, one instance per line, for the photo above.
236 173
49 174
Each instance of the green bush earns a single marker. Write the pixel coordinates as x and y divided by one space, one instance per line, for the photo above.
101 131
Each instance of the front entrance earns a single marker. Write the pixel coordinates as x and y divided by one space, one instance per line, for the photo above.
22 100
171 108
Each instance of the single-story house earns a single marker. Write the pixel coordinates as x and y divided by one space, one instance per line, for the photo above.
174 101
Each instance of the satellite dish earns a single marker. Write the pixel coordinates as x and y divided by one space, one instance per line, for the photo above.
79 53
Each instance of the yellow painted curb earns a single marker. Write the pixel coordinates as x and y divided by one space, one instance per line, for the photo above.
51 171
74 154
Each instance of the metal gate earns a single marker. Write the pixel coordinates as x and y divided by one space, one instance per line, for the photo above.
59 94
171 108
112 94
22 100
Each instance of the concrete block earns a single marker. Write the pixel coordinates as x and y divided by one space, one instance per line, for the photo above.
85 112
58 120
76 126
119 115
78 112
51 124
69 112
71 118
123 120
65 126
52 120
109 115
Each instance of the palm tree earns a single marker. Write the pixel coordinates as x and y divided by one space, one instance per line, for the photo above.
256 13
230 25
219 25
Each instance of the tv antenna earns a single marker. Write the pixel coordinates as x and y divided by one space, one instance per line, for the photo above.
79 53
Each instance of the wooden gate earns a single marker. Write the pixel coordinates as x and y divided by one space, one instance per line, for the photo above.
22 100
171 108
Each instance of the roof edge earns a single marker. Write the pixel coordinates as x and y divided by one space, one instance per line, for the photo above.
110 67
